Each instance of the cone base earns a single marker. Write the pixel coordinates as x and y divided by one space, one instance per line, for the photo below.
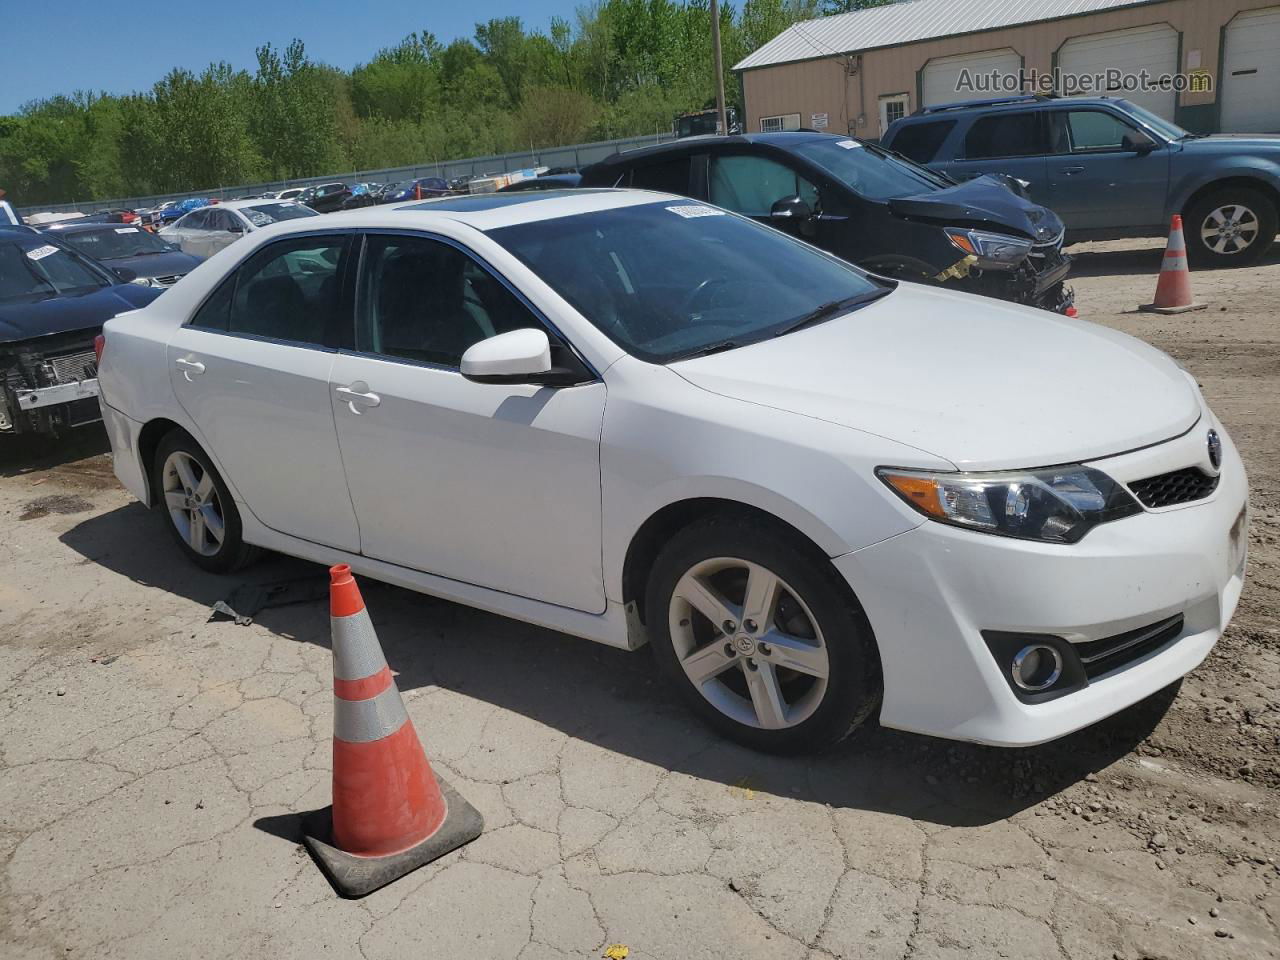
357 876
1152 308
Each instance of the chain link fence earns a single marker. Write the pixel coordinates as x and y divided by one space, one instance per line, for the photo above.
577 155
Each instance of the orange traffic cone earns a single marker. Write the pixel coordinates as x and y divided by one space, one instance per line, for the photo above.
1173 289
390 814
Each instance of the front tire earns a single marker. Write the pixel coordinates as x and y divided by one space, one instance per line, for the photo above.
761 636
1231 227
200 513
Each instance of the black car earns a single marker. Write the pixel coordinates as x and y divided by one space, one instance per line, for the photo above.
866 205
326 198
152 260
53 303
424 188
548 181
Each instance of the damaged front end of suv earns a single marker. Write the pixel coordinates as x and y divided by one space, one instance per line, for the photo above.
53 303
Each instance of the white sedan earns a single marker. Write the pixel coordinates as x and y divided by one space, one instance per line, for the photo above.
628 416
204 231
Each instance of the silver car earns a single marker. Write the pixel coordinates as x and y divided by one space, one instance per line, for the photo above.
206 230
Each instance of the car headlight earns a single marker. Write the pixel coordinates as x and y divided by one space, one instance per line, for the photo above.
145 281
995 251
1056 505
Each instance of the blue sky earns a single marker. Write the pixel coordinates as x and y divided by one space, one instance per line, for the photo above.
62 46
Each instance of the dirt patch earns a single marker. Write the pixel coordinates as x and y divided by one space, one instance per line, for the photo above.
64 503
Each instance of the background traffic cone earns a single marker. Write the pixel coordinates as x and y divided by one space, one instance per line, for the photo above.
390 814
1173 288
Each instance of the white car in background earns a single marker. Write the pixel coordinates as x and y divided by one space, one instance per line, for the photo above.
291 194
631 416
205 230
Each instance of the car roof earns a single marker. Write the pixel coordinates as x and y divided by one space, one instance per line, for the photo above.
80 226
1002 104
486 211
783 140
241 204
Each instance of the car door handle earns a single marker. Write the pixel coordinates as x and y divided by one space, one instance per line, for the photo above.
1072 171
357 398
190 368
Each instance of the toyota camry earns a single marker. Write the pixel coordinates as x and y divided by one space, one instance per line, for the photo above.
818 495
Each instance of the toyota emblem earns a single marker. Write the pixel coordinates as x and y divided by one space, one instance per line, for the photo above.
1215 449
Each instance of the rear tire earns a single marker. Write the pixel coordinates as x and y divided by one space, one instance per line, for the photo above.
1231 227
198 508
793 673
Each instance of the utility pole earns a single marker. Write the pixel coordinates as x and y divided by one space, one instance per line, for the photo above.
721 119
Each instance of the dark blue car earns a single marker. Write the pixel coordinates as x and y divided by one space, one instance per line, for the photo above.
152 260
53 303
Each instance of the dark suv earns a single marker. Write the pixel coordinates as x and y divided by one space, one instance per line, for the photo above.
866 205
1110 168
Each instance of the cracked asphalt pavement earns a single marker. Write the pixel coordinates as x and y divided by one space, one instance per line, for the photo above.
155 766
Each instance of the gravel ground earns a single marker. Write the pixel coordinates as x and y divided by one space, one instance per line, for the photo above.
153 765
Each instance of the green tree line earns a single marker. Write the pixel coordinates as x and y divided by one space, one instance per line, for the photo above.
617 68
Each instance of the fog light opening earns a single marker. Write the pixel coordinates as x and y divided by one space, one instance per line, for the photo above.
1036 667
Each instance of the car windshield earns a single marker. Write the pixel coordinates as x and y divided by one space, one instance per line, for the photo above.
676 279
31 271
262 214
870 172
1166 128
116 243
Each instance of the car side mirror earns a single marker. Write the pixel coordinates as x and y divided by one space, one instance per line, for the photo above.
235 228
791 209
517 356
1141 147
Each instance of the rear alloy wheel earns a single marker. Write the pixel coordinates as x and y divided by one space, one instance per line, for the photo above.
761 635
1230 228
202 516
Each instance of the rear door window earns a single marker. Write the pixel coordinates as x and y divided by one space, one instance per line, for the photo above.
922 141
1005 135
669 176
289 290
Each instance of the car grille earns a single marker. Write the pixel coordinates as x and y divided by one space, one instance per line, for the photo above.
1110 653
169 281
1178 486
70 368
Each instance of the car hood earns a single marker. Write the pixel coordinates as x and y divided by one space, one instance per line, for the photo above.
982 200
984 384
174 263
25 321
1233 143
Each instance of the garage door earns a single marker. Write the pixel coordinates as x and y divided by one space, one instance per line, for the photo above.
1251 73
1153 48
940 79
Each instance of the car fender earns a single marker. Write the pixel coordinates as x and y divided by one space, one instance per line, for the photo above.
1187 183
815 476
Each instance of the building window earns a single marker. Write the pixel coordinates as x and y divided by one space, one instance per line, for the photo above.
784 121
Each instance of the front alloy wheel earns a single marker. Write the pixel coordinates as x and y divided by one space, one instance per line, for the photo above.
760 634
1229 229
748 644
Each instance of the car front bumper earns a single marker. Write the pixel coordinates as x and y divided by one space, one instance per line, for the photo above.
932 592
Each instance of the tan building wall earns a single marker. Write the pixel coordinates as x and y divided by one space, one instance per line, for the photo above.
852 103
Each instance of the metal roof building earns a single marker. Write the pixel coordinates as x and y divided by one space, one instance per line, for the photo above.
856 72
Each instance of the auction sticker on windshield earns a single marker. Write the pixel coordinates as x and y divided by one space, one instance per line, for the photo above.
687 210
848 144
126 229
39 253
